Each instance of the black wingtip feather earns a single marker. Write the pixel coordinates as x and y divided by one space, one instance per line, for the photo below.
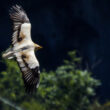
17 14
31 76
31 86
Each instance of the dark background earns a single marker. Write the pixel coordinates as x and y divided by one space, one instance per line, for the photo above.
64 25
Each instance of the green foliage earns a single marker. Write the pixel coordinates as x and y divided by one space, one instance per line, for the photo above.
97 106
11 83
32 105
66 88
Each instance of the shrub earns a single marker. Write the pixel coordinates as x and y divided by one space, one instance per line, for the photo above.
67 88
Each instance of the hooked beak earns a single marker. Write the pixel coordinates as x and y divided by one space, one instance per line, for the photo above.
38 46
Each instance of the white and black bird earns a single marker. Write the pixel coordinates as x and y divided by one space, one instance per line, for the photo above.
23 48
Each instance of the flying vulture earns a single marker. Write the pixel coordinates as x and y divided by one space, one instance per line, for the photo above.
23 48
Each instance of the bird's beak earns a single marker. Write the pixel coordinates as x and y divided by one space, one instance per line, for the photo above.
38 46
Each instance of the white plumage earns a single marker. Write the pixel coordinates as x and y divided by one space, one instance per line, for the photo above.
23 48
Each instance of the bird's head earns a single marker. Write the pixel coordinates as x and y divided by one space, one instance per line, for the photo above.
37 47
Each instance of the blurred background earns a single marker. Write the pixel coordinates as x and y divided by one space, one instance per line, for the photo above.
61 26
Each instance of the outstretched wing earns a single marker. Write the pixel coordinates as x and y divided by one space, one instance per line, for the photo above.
29 66
21 24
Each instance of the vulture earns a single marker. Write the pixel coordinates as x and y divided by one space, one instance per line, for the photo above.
23 49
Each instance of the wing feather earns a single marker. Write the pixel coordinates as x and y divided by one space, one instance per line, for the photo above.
21 24
30 73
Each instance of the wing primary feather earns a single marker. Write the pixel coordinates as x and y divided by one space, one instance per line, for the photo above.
18 17
17 14
31 78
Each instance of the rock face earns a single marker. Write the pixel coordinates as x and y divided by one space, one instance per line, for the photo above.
60 26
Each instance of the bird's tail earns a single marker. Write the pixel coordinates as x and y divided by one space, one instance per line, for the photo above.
8 53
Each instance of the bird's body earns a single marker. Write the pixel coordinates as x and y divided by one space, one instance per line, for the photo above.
23 48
